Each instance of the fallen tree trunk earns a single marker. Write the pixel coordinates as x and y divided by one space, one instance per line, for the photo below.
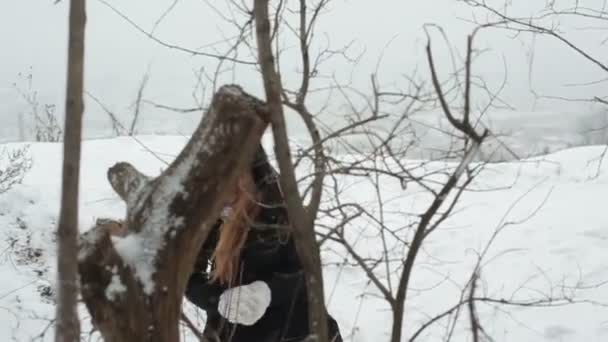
133 283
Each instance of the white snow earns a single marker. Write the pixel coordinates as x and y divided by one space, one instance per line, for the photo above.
116 287
245 304
139 253
556 238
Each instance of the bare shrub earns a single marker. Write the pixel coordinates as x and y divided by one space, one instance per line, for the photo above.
13 167
45 126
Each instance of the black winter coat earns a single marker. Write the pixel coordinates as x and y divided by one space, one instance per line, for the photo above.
269 255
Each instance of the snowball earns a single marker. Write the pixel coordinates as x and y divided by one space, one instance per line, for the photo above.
245 304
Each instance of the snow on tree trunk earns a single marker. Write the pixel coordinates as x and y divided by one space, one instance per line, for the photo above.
133 283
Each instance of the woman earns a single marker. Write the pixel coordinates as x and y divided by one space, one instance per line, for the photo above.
254 290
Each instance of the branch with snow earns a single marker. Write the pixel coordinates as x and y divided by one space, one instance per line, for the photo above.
127 182
150 255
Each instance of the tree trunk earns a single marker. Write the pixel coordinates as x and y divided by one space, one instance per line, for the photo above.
133 285
68 325
302 222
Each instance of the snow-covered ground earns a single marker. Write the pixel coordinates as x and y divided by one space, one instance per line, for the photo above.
555 239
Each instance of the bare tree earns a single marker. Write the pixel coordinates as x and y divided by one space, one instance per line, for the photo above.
444 199
302 220
68 325
547 23
391 268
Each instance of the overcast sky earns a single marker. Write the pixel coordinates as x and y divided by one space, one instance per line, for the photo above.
33 38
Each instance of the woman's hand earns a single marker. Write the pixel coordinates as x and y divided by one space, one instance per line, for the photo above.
245 304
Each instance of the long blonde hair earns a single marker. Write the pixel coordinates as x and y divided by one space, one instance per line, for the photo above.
233 234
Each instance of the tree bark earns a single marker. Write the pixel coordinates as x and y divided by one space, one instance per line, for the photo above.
68 325
133 285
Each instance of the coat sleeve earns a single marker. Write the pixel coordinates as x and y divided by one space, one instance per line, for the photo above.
203 293
206 251
286 282
287 285
286 288
199 289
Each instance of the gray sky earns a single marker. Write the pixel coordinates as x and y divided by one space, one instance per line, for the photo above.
33 37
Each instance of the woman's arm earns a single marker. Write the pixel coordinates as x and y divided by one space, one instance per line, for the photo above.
206 251
203 293
287 282
285 288
286 279
200 290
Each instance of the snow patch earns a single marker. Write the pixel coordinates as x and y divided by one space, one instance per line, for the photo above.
139 251
116 287
566 238
233 90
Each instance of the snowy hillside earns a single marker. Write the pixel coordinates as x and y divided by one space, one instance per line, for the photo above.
553 244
